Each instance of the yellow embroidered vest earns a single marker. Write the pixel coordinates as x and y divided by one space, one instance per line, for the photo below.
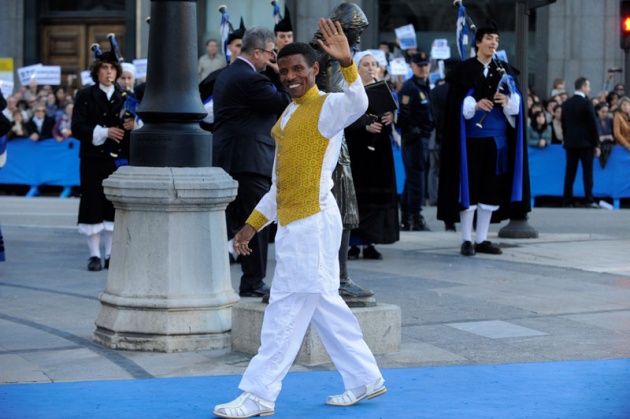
300 150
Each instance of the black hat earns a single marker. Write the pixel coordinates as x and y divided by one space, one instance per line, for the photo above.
420 58
111 56
284 25
237 33
490 27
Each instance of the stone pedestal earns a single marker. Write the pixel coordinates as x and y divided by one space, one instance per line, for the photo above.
380 325
168 287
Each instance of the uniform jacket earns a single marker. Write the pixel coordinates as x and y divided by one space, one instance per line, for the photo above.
246 106
92 108
415 115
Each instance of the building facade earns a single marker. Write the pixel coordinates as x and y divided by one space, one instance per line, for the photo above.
567 39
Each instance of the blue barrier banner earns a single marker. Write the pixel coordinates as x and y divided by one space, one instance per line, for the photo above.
547 166
546 173
44 162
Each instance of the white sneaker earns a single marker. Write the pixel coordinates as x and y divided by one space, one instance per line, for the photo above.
375 389
247 405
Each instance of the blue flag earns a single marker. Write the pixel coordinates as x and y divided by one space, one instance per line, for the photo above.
465 32
277 17
226 28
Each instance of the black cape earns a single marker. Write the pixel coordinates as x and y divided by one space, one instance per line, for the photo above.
461 79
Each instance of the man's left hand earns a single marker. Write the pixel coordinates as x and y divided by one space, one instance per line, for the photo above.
242 239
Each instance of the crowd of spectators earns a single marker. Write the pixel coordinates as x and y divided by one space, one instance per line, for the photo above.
41 112
612 109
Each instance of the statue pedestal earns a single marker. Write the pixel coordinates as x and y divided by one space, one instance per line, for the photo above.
380 325
168 287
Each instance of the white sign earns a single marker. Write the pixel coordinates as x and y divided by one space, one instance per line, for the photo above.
141 68
440 50
398 67
6 87
379 56
27 74
406 37
48 75
86 78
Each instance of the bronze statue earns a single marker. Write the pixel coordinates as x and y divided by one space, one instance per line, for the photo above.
329 79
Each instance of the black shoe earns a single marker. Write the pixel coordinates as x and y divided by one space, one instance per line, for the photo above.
370 252
258 292
467 248
106 263
94 264
592 205
449 227
487 247
419 223
353 253
349 289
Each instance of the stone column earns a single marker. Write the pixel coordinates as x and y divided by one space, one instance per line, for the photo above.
169 286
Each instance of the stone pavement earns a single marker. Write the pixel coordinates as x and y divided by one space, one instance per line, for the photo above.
563 296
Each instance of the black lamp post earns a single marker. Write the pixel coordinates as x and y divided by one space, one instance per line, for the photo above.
171 108
518 227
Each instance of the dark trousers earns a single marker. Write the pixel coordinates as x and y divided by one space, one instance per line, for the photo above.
575 155
251 188
414 157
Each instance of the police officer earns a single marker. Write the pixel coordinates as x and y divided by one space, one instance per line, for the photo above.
416 122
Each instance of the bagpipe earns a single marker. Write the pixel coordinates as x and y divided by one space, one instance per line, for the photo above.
130 103
506 85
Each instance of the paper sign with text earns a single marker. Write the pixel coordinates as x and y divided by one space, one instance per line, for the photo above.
440 50
141 68
6 87
48 74
27 74
406 36
86 78
398 67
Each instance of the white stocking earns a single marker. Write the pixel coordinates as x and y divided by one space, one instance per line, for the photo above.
466 219
483 223
108 237
94 245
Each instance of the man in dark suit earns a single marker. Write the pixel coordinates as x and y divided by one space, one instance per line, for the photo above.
581 141
206 87
246 106
95 122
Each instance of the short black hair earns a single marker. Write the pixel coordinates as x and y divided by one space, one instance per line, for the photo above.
489 28
301 48
580 82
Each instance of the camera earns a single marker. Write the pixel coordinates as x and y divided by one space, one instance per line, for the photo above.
615 70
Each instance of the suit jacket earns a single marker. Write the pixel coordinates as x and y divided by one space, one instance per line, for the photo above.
579 123
92 108
47 127
246 106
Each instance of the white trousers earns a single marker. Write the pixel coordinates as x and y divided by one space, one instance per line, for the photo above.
285 323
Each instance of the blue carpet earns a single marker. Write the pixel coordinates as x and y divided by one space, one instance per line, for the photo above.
576 390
